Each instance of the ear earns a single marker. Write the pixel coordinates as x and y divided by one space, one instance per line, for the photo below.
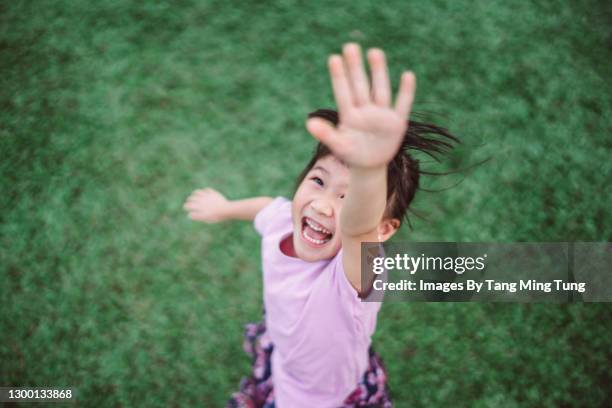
387 228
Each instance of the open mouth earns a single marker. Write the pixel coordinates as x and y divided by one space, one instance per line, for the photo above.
315 233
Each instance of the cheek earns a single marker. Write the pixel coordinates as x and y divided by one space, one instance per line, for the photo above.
338 213
338 234
301 196
298 201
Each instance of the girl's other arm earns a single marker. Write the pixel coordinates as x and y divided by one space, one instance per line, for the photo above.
208 205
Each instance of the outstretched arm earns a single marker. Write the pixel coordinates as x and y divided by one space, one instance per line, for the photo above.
208 205
367 138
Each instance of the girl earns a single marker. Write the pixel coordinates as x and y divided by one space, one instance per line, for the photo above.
313 348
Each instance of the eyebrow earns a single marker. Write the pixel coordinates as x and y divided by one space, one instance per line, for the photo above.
323 169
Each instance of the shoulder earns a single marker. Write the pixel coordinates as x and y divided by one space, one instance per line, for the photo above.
279 210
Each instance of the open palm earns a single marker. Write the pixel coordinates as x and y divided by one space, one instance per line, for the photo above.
370 131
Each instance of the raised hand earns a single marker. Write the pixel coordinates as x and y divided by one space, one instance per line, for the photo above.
370 131
207 205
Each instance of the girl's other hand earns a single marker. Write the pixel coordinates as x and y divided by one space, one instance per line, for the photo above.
371 130
207 205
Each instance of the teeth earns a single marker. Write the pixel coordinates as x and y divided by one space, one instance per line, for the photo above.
316 227
313 240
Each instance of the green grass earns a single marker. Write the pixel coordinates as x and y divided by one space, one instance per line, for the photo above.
114 111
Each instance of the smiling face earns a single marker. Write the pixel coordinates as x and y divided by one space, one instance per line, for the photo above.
316 210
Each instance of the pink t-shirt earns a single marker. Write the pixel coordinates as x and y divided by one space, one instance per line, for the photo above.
320 329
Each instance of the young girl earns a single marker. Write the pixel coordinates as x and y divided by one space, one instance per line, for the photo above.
313 348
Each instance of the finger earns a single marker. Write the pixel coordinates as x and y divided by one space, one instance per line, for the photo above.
381 87
201 191
357 75
195 216
203 194
195 201
326 133
203 217
340 85
405 95
191 199
198 215
190 207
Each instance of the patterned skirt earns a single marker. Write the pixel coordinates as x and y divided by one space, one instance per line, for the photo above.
257 391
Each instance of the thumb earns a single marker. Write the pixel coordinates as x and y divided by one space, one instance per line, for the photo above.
322 130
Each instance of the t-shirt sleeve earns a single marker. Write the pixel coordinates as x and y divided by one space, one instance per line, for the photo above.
344 286
363 313
266 215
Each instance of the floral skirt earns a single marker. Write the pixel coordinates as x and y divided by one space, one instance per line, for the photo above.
257 391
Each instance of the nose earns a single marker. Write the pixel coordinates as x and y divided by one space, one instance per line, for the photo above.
322 207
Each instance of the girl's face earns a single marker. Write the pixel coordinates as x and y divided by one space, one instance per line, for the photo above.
316 210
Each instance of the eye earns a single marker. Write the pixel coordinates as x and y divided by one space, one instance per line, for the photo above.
341 196
317 180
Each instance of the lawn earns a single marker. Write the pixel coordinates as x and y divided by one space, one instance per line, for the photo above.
114 111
